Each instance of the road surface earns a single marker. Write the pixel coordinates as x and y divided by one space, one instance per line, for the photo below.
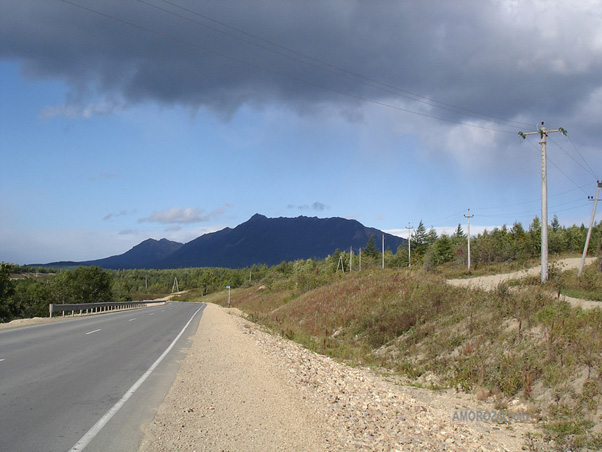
58 380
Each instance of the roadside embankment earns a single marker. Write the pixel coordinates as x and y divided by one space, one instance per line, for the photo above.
241 389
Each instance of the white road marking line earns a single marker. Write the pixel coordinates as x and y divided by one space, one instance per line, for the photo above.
1 359
152 313
131 320
95 331
96 428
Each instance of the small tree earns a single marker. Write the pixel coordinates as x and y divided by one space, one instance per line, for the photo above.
432 236
535 237
420 239
7 289
83 285
459 232
401 257
370 249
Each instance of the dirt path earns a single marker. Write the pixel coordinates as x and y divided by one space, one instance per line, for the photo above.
491 282
241 389
172 295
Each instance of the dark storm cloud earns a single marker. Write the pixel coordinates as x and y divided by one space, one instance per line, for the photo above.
487 57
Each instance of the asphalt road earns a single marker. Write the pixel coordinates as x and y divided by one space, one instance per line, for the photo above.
58 380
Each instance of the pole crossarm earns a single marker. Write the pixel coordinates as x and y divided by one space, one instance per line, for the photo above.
542 132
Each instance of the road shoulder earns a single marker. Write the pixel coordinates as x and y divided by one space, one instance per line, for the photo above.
228 396
241 389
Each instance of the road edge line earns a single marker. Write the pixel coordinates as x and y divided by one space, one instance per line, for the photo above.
96 428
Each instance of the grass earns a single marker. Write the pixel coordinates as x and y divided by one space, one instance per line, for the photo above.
507 344
588 286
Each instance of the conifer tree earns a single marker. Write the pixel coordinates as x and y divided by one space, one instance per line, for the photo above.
370 249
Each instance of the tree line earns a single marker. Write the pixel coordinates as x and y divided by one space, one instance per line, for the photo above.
24 295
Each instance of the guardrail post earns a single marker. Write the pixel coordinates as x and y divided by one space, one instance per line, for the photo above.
86 308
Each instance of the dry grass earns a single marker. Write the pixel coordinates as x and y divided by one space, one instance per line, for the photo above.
506 345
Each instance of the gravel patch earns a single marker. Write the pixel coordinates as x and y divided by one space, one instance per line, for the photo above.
242 389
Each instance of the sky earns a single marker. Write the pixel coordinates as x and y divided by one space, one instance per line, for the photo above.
125 120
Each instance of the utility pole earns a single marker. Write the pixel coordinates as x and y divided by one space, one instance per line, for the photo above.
543 133
409 245
341 263
350 257
468 217
383 251
589 232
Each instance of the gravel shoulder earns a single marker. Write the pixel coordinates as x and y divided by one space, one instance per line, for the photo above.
228 396
242 389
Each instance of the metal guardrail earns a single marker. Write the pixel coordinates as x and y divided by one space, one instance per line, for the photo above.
93 308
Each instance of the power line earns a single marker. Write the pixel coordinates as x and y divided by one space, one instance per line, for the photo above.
280 73
558 168
334 68
582 158
534 211
315 63
588 169
453 215
531 201
531 213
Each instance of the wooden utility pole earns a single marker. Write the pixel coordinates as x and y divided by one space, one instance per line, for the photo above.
409 245
341 263
350 257
543 133
589 231
383 251
468 217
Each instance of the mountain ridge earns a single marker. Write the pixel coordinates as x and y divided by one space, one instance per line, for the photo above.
259 240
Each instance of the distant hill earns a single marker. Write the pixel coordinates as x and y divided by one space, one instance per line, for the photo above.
143 255
260 240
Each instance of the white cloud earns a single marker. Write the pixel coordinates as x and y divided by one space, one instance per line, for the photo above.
181 215
121 213
128 232
315 206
